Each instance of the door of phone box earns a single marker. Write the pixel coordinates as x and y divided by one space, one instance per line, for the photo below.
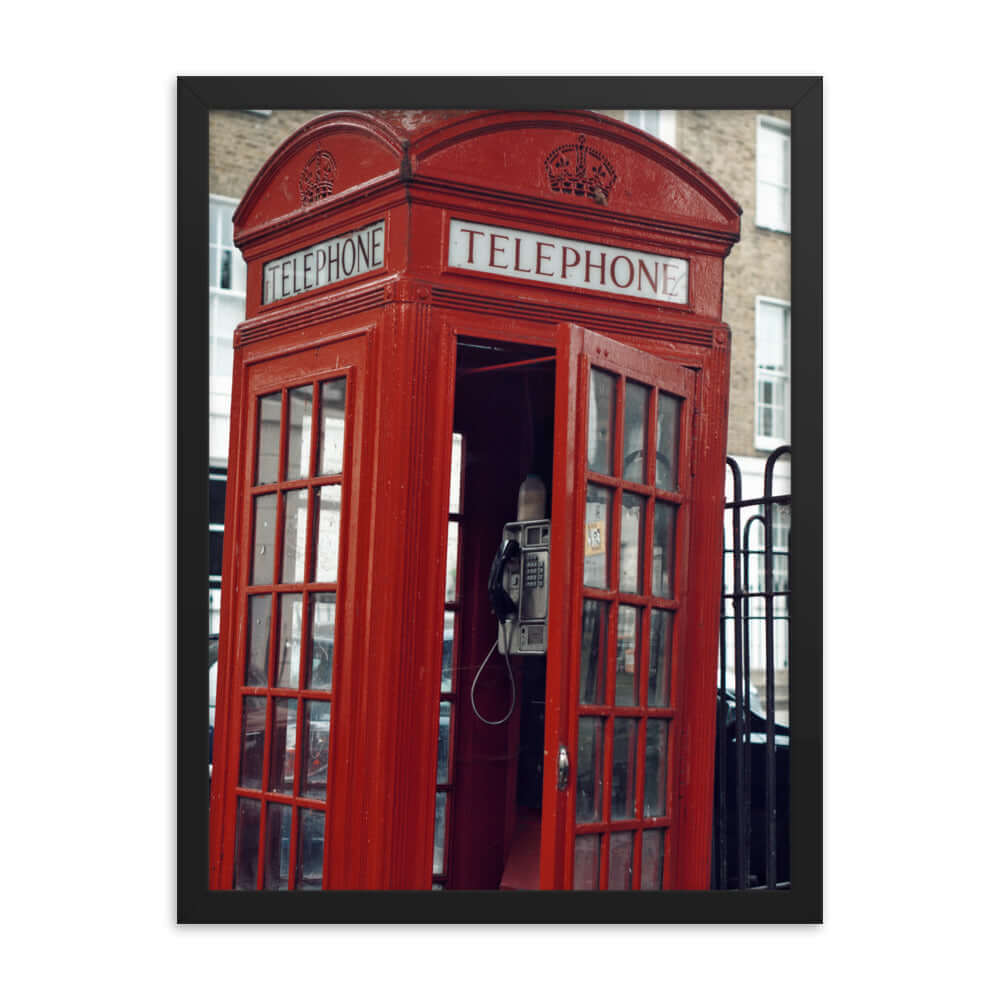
438 305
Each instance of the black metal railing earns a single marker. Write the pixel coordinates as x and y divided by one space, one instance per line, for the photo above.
751 822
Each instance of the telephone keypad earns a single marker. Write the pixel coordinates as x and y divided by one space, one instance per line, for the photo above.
534 571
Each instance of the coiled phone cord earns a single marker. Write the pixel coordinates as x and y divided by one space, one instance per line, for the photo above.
510 675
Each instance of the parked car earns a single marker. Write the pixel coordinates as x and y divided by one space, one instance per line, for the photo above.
755 797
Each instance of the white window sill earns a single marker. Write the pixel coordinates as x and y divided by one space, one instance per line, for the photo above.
769 444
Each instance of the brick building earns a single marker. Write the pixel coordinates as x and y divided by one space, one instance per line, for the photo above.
747 152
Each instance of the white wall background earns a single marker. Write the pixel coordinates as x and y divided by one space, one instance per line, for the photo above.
910 371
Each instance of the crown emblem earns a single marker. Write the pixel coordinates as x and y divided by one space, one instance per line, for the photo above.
581 170
316 179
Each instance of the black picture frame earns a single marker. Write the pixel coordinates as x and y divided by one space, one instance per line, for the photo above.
196 97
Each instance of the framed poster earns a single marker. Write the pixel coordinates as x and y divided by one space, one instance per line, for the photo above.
784 119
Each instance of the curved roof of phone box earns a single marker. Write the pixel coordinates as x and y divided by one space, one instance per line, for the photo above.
527 157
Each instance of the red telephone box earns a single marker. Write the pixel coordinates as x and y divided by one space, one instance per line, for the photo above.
440 305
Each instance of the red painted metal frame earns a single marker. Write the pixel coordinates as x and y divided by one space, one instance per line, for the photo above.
397 329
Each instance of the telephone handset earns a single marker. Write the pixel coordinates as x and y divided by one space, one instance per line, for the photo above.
501 602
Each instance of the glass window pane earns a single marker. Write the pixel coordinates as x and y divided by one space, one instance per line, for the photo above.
451 563
440 812
299 431
620 861
636 410
587 862
282 764
595 537
652 860
632 537
627 657
309 861
655 799
455 491
268 439
447 651
289 641
600 425
315 759
247 839
331 427
257 643
277 839
265 516
293 562
623 769
319 659
588 770
663 549
593 652
327 505
252 754
444 742
668 424
661 634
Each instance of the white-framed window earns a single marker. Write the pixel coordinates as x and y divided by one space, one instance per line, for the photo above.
774 174
661 124
773 345
227 292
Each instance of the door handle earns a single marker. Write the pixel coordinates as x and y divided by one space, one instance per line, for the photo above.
562 770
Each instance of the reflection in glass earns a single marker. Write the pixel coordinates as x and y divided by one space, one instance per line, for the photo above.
319 659
309 859
289 641
281 775
663 549
451 563
587 862
588 770
327 505
444 736
655 799
623 770
627 656
652 860
265 516
636 409
632 536
600 423
277 839
593 652
252 753
247 839
299 436
268 438
440 811
661 631
447 650
455 490
293 563
331 427
667 435
595 537
260 636
620 861
315 759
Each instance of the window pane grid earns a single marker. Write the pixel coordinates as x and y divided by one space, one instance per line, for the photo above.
305 711
627 728
447 705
